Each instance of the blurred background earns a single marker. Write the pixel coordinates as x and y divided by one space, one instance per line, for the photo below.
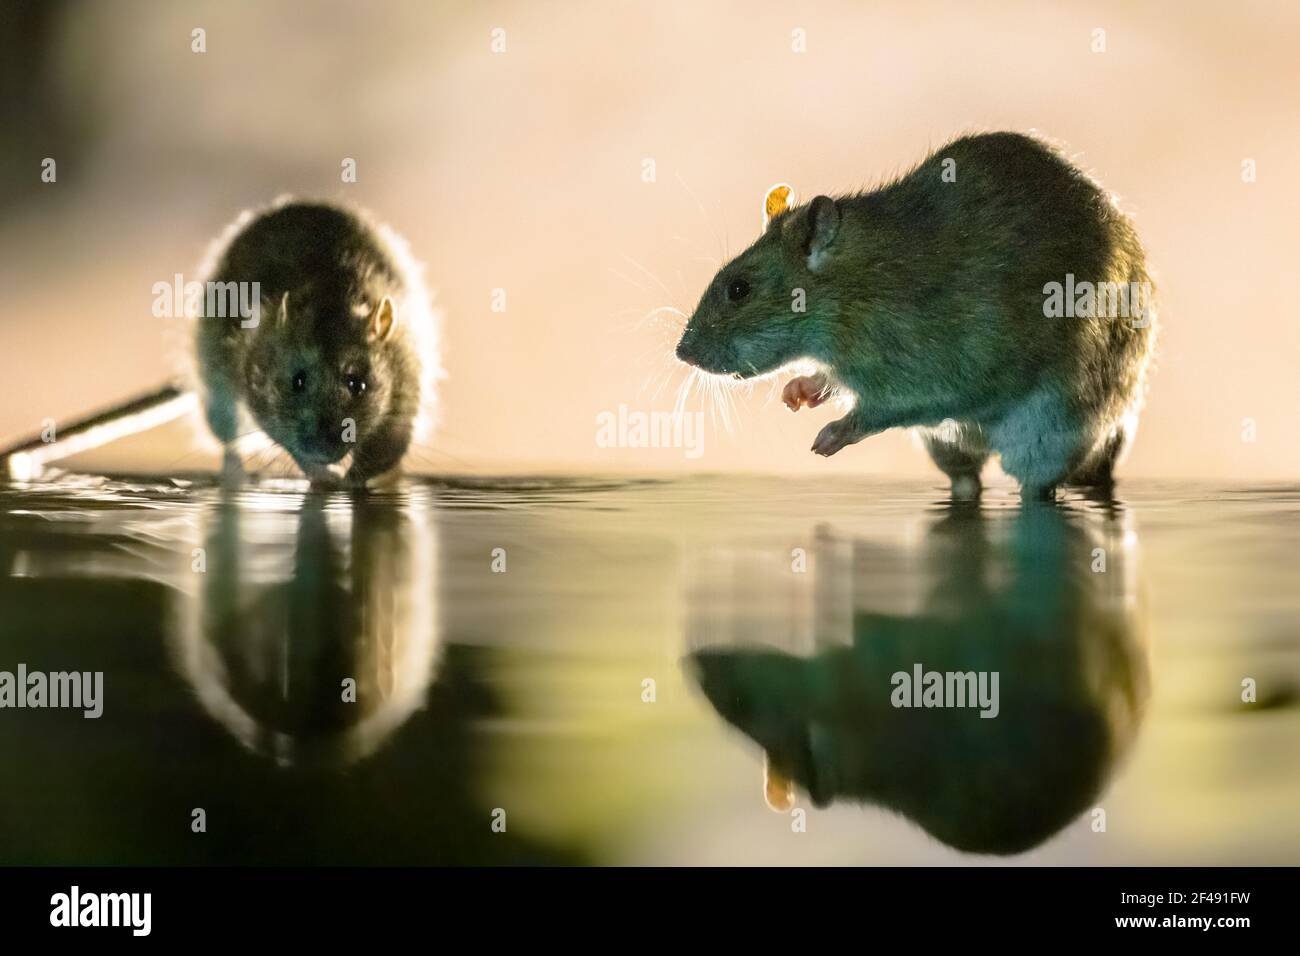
525 170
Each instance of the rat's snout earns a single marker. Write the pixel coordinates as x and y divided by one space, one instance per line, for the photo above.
704 351
320 438
685 345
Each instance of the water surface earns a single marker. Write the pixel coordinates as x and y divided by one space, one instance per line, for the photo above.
600 670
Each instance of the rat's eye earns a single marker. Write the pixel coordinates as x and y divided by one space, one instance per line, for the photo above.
737 289
356 384
299 381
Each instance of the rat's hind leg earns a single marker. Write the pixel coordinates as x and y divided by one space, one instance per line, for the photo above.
1041 441
960 452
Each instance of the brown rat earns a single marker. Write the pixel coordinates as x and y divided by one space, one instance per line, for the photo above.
952 300
340 358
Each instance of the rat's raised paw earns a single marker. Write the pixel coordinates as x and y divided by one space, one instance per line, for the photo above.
839 434
810 390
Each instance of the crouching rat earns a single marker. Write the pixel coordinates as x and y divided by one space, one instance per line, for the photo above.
339 357
994 297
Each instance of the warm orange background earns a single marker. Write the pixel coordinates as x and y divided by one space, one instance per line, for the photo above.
522 171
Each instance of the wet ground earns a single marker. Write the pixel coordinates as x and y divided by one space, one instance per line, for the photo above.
574 671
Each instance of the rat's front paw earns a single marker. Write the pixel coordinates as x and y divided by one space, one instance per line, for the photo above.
838 434
323 477
810 390
232 469
362 481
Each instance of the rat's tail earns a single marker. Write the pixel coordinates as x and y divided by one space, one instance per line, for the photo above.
26 460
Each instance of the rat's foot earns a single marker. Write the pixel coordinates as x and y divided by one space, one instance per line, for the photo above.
323 477
1036 494
362 481
839 434
810 390
966 487
232 469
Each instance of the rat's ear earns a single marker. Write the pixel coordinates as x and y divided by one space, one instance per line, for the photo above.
380 323
822 227
777 201
810 230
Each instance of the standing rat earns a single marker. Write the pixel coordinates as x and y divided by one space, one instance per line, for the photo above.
341 357
994 297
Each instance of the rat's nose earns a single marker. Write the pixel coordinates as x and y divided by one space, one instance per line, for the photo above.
684 346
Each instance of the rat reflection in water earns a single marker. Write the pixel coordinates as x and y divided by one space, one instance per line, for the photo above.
1024 597
321 668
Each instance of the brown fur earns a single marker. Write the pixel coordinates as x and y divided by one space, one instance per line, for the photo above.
324 275
924 301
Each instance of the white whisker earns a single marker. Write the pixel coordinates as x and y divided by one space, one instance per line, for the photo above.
648 273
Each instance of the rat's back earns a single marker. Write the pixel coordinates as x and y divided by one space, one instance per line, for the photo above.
302 244
1005 213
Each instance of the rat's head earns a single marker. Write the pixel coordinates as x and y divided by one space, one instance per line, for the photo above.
321 373
771 304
